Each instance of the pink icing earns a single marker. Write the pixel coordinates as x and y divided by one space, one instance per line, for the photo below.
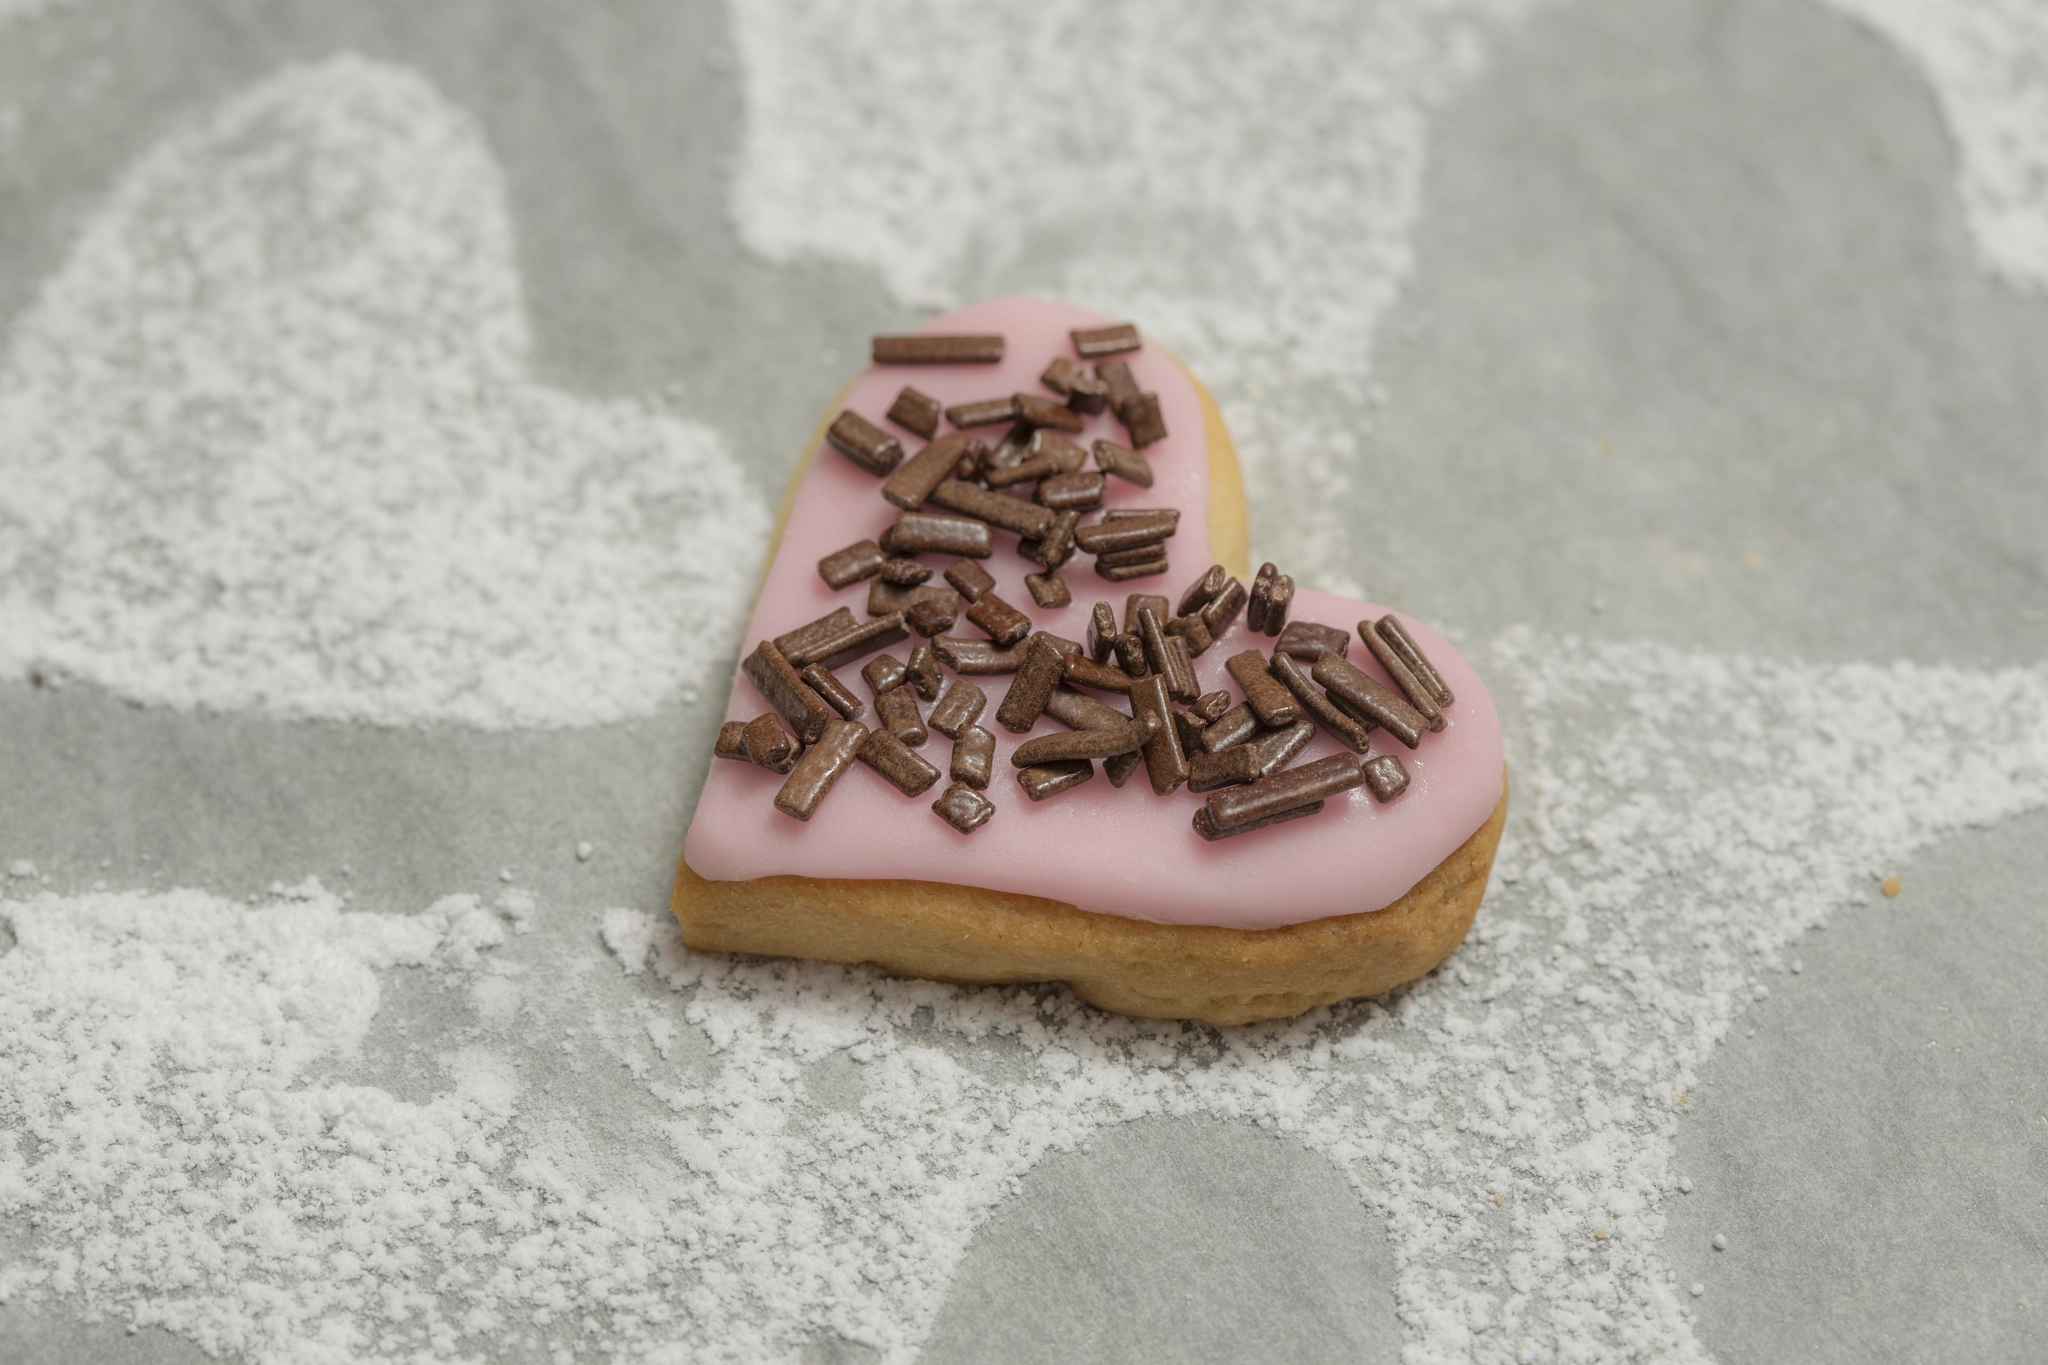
1124 852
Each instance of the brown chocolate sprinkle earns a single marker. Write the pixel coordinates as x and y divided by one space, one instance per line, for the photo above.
1262 597
1083 671
1181 681
925 676
1119 769
974 757
1068 745
983 412
972 461
1027 471
1086 393
1209 706
1123 533
919 532
1012 514
1044 665
1276 609
1056 547
1054 778
1234 726
1059 375
1346 727
866 444
1311 640
1165 762
855 642
1394 633
1143 421
1205 824
1071 648
883 672
1102 632
844 568
904 573
1390 660
905 771
1278 749
976 658
1202 591
1224 768
731 742
1040 411
1003 622
1066 457
1386 777
1082 491
1116 377
1272 702
897 710
1137 554
964 808
1137 602
885 597
1191 727
787 692
765 742
1049 590
1125 573
1194 631
959 708
1014 448
1172 514
970 578
1223 608
934 615
820 767
1153 632
937 348
1130 654
826 684
797 644
1127 465
1370 699
1092 343
915 411
1078 712
917 476
1284 790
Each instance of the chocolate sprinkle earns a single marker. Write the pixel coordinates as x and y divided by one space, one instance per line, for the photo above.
1202 591
897 711
1127 465
1386 777
1056 547
976 657
918 532
1130 654
1078 712
820 767
1040 411
904 573
974 757
844 568
1276 608
959 708
1054 778
826 684
1394 633
885 597
1209 706
796 645
1049 590
765 742
934 615
970 578
1224 768
1137 554
1068 745
1125 573
1123 533
1395 667
1194 631
1352 731
1165 762
882 673
1083 671
1092 343
1102 632
1004 623
1116 377
787 692
917 476
1066 457
855 642
1081 491
731 741
1086 393
1059 375
1223 608
1370 699
1205 824
1276 750
1012 514
964 808
1044 665
915 411
1262 598
907 772
1311 640
864 443
1143 420
925 676
1284 790
983 412
937 348
1234 726
1271 701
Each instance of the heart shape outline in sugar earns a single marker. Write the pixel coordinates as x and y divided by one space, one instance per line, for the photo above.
1122 851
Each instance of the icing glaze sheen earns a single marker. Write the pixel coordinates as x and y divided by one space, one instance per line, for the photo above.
1122 852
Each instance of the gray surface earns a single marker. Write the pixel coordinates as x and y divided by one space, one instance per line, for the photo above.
1696 335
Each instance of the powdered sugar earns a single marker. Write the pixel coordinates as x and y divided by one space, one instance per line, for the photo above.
1680 819
266 440
1984 59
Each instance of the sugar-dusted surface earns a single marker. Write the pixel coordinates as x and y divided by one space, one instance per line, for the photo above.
1122 851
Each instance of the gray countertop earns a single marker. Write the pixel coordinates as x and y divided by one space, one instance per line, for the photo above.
1696 354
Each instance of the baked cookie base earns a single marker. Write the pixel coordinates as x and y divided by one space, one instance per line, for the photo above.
969 935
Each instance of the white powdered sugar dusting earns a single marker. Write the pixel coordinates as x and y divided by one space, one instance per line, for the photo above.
1151 171
1987 61
1679 821
267 440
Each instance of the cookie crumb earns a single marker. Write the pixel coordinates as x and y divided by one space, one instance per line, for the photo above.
1890 885
584 849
